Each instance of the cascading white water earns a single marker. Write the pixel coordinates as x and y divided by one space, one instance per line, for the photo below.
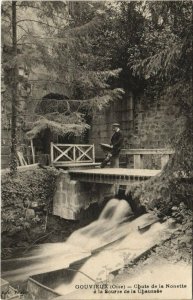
106 229
47 257
120 238
78 261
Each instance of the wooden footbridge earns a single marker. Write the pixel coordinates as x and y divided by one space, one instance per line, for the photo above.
81 165
72 155
112 175
84 182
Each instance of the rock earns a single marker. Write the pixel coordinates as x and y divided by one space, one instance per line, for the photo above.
34 204
27 203
174 208
30 213
171 223
182 205
23 244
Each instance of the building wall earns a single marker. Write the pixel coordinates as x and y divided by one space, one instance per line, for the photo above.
120 111
147 125
154 123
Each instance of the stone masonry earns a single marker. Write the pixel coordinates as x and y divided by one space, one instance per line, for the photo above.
145 125
72 196
120 111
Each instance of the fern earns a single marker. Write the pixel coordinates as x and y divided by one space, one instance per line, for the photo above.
59 124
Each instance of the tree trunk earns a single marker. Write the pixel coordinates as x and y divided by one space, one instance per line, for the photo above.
13 158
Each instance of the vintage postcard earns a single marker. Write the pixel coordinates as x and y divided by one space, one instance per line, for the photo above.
96 150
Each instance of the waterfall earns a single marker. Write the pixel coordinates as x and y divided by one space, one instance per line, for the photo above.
79 244
105 229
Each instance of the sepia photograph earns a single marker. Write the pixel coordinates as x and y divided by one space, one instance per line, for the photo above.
96 150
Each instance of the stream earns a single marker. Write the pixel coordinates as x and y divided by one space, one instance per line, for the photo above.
104 244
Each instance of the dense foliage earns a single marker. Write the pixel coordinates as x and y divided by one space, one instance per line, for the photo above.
21 196
92 52
163 58
60 41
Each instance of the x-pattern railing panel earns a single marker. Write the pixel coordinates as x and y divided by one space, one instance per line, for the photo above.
72 153
63 153
84 153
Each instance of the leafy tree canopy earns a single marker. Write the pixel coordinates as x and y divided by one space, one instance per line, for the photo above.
62 40
92 51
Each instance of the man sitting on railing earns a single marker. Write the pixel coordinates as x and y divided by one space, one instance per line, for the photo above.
114 148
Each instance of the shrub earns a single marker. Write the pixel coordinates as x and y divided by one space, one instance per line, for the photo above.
18 195
162 193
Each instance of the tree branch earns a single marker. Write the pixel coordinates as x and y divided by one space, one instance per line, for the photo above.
21 38
24 29
37 240
43 37
23 44
4 20
39 22
38 8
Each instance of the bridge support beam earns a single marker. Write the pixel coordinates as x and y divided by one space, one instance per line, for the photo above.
72 196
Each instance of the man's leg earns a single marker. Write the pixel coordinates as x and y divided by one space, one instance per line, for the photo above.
106 160
115 162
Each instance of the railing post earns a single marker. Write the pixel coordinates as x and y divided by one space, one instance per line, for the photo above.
164 160
33 152
127 161
74 153
138 164
93 153
52 152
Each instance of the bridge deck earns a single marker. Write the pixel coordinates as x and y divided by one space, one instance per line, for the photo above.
113 175
70 165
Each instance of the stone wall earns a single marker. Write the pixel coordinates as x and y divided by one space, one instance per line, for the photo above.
154 123
120 111
145 124
72 196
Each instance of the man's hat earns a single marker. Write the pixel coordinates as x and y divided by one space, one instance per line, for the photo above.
116 125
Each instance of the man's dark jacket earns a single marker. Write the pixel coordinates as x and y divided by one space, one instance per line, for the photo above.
117 142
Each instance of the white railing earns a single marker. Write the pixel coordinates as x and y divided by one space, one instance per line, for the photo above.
72 153
140 153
